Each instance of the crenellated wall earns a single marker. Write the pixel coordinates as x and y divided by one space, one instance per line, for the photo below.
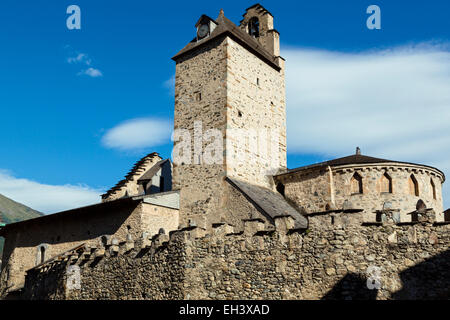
330 260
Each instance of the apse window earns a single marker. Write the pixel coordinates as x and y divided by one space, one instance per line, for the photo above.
386 183
356 184
413 186
433 189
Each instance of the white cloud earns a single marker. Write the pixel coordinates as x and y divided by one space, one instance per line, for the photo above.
46 198
170 84
91 72
392 103
80 58
138 133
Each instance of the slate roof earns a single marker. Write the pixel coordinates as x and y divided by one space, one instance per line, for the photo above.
226 27
268 202
136 168
353 159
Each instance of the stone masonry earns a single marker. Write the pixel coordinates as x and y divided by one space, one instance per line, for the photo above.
221 85
330 260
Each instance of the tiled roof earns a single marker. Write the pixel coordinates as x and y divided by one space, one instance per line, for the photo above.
226 27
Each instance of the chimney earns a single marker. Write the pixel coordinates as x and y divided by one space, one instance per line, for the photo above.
358 151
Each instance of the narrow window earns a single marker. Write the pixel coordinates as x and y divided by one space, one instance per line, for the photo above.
104 241
42 254
356 184
378 217
386 183
198 96
257 81
433 189
413 186
161 184
253 27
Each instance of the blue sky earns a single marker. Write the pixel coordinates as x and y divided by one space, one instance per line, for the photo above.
66 94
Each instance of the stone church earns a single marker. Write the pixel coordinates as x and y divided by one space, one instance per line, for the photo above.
245 226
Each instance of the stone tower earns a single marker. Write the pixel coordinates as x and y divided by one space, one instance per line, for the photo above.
230 118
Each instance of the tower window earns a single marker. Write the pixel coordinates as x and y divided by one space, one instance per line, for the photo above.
433 189
413 186
253 27
386 183
356 184
198 96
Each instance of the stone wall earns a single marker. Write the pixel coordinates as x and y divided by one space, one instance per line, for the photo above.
151 271
310 190
154 218
330 260
256 117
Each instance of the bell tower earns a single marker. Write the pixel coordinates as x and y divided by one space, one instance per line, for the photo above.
230 118
258 22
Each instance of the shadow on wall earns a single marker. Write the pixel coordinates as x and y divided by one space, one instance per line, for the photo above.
429 279
352 286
